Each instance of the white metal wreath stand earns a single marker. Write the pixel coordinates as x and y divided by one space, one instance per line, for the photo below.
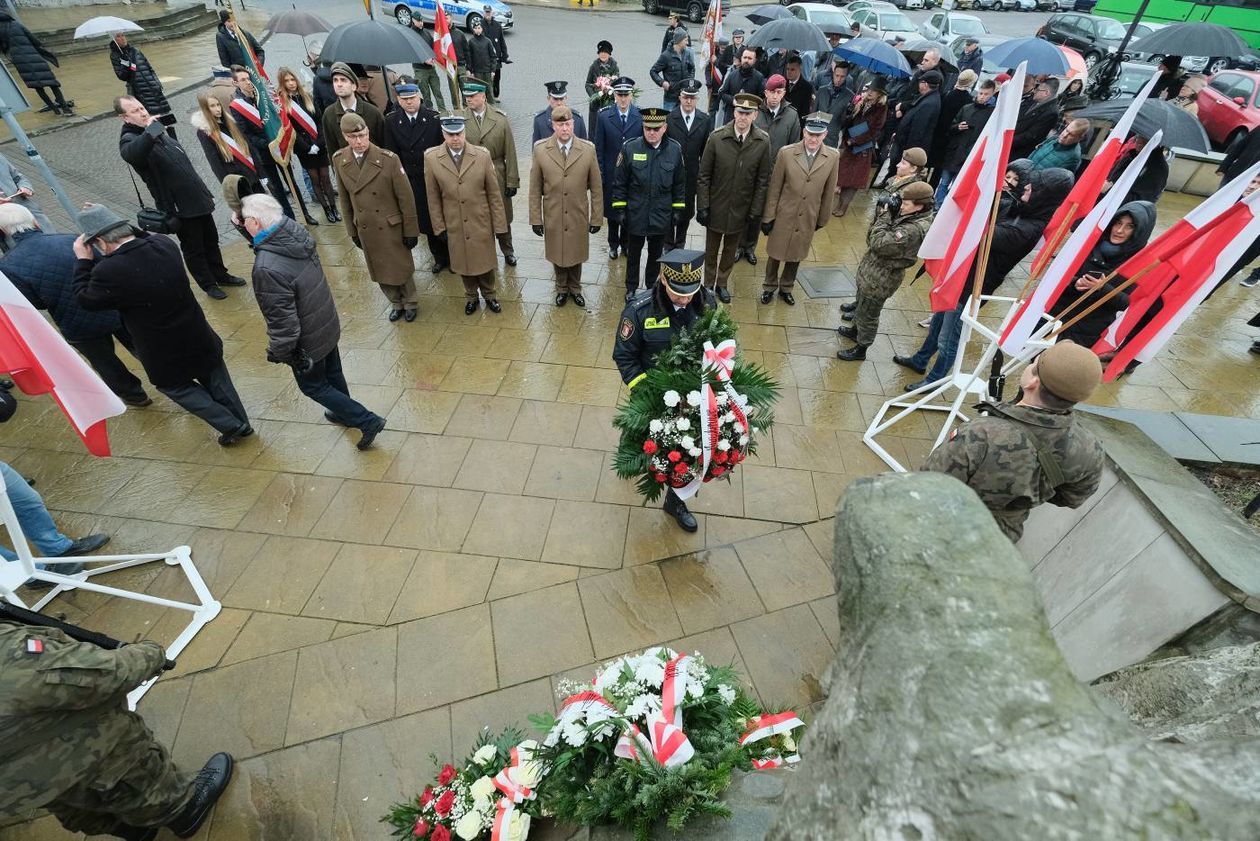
972 383
13 575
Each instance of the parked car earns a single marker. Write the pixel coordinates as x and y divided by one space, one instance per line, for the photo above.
825 16
886 25
1228 106
943 27
459 12
1072 5
1207 65
1133 76
693 10
864 5
1019 5
908 4
987 5
1091 36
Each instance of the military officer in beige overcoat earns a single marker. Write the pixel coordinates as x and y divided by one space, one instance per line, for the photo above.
489 128
379 210
797 204
466 207
566 202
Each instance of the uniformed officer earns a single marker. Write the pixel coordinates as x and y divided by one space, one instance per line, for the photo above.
69 744
614 125
650 322
489 128
691 127
892 242
649 194
557 95
1016 456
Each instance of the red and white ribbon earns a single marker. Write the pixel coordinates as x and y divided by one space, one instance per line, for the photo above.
506 780
302 119
765 726
721 361
775 762
237 152
247 110
670 745
503 812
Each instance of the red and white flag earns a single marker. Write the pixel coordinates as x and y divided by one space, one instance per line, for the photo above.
1067 262
710 37
949 249
1088 186
41 362
443 46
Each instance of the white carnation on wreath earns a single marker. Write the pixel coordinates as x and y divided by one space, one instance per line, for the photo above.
723 444
672 398
694 452
656 426
743 439
723 399
688 442
693 398
683 423
726 693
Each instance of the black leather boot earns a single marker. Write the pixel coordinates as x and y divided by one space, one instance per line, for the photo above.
677 509
854 354
210 783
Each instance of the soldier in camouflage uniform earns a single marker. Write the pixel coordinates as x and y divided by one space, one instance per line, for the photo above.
893 246
69 744
1018 455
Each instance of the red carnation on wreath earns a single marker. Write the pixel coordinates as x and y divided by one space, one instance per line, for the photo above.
446 775
718 471
441 833
443 806
426 796
674 455
680 468
649 447
660 477
422 828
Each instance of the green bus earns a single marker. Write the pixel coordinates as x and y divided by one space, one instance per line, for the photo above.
1242 16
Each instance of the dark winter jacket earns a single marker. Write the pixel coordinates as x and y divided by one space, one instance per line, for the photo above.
131 67
972 61
230 49
1033 126
801 97
951 104
836 102
650 185
163 165
221 168
675 68
483 57
959 143
918 122
145 281
494 31
1102 260
1151 181
293 294
409 140
28 55
41 266
1240 155
692 144
737 81
1020 226
322 90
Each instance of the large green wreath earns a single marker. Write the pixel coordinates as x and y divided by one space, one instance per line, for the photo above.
644 449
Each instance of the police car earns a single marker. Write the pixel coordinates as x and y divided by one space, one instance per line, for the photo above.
463 13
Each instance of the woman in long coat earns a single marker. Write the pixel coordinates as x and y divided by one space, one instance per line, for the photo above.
857 151
30 59
225 147
798 203
132 67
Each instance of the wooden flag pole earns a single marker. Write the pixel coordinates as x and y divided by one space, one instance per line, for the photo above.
982 257
1111 293
1055 243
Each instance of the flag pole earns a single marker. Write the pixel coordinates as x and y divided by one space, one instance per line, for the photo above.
982 258
1060 235
1111 293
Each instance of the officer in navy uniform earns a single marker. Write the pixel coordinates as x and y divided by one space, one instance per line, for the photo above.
649 323
649 192
614 125
557 95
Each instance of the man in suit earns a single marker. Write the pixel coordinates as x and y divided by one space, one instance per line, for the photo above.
565 202
690 127
616 124
410 131
557 96
800 93
489 128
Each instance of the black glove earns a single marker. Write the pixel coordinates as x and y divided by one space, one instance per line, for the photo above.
356 242
298 360
410 242
702 216
442 236
767 227
537 229
594 229
511 191
617 214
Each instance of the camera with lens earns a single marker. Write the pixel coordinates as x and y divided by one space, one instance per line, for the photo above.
890 204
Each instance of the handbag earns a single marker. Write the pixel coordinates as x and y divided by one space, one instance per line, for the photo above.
152 219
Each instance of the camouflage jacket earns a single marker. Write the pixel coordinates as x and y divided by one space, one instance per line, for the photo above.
61 702
892 247
998 456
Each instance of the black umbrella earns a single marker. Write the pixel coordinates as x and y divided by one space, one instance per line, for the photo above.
294 22
1180 128
764 14
914 49
790 34
1195 38
374 43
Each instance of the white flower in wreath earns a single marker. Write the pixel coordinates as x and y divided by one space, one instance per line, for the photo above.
484 754
644 706
789 744
656 426
723 399
575 734
482 790
693 398
743 439
742 400
672 398
723 444
726 693
528 774
469 826
650 671
518 827
688 443
694 452
683 424
609 676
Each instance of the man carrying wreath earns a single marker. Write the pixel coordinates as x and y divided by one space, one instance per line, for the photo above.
648 325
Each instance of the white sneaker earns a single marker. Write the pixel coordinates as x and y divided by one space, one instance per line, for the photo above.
927 322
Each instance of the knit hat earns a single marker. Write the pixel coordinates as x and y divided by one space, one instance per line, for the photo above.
1069 371
352 122
604 47
340 68
915 155
966 79
918 192
97 219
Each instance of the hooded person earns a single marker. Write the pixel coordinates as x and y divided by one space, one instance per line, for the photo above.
31 59
1128 233
235 189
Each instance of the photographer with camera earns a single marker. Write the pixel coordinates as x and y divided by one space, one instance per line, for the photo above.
302 324
901 221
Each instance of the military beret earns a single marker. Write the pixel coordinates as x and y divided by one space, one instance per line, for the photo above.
1069 371
352 122
915 155
919 192
777 82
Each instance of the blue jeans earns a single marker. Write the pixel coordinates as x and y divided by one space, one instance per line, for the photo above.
326 385
670 104
947 178
941 340
39 528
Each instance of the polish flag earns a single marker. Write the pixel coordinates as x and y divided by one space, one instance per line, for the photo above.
444 54
1088 187
949 249
1195 267
41 362
708 40
1151 286
1067 263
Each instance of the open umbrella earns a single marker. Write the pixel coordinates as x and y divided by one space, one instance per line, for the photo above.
105 25
874 54
914 49
764 14
1194 38
294 22
374 43
1076 65
789 34
1181 130
1042 56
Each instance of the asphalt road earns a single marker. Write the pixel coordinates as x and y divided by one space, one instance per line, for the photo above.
547 44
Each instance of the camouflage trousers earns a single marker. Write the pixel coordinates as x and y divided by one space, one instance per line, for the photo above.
134 783
870 303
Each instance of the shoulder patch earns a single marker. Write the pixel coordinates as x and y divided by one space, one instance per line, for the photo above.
626 330
898 234
34 646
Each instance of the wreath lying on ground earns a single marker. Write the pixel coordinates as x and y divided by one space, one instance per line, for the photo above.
697 413
656 735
